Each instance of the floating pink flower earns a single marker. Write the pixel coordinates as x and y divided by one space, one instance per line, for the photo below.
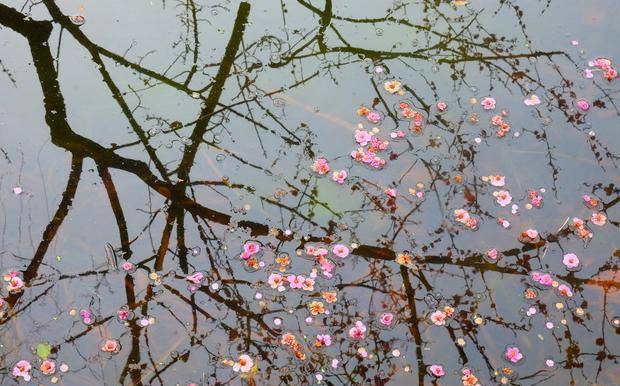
493 254
340 250
195 277
358 331
295 281
308 284
15 284
598 218
390 192
22 369
127 266
570 260
362 137
243 364
339 176
442 106
503 197
497 180
321 166
373 117
251 247
488 103
323 340
531 233
583 105
110 346
438 318
48 367
513 354
386 319
565 290
437 371
276 281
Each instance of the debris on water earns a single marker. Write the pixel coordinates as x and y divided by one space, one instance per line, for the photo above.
77 19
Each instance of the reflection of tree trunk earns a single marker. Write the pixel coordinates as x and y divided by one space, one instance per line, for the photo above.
216 90
52 228
117 209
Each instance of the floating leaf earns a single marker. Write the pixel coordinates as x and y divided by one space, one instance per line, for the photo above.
44 350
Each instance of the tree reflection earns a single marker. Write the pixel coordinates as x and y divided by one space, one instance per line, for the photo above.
451 41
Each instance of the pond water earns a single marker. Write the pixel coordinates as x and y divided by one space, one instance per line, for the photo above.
309 192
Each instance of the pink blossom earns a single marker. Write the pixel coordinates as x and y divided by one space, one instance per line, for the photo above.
587 73
498 180
251 247
437 370
442 106
488 103
275 281
492 254
244 364
503 198
513 354
321 166
565 290
15 284
362 137
397 134
598 218
358 331
323 340
308 284
339 176
373 117
340 250
438 318
570 260
390 192
22 369
546 280
48 367
583 105
387 318
127 266
195 277
110 345
295 281
531 233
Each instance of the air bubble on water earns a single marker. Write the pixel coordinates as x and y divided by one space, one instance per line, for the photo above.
379 32
415 42
616 322
154 131
195 95
217 139
195 251
316 109
220 157
474 90
174 354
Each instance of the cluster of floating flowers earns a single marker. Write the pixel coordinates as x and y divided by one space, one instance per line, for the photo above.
603 64
406 111
545 280
22 369
278 281
289 340
579 227
597 218
14 282
439 317
252 250
463 217
320 255
370 145
499 121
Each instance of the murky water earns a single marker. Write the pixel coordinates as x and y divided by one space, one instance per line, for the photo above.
309 192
